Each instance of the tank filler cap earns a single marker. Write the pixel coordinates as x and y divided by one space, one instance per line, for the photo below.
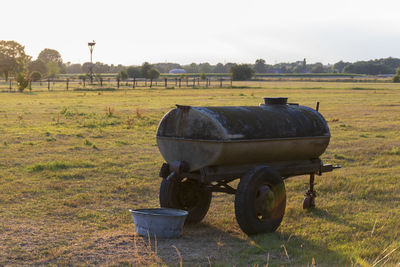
275 100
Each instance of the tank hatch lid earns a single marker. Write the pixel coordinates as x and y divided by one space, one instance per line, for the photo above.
275 100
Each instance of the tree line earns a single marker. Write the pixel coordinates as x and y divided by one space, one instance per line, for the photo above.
371 67
15 62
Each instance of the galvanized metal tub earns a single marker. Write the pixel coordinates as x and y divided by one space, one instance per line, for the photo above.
212 136
159 222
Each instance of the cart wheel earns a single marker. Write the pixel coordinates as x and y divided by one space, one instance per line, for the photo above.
309 202
187 195
260 201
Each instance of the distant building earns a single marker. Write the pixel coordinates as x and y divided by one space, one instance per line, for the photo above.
177 71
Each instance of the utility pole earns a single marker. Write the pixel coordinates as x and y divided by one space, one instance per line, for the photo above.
91 47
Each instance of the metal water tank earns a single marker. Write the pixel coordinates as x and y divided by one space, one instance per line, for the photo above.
231 135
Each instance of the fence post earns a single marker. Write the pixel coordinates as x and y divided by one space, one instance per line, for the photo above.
30 85
176 81
101 82
166 82
48 84
180 80
10 85
206 82
67 83
194 82
187 81
220 82
231 82
198 81
133 84
84 82
117 82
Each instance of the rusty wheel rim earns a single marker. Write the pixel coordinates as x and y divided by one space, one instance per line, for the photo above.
264 202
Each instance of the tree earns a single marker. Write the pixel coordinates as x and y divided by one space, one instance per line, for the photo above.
74 68
166 67
339 66
86 67
50 55
145 69
12 57
35 76
52 69
220 68
123 75
396 78
260 66
37 65
241 72
317 68
22 81
298 69
283 69
205 67
192 68
134 72
99 67
153 74
367 67
229 65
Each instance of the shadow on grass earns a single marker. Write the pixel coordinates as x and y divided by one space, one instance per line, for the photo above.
325 215
200 244
289 249
205 244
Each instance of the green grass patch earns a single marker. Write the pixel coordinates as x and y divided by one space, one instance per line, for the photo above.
394 151
58 165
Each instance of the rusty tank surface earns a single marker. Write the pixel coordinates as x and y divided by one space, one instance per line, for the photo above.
207 148
274 131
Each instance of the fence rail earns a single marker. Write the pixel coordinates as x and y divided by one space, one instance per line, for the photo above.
112 83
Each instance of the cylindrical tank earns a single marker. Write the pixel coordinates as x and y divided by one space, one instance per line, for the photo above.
212 136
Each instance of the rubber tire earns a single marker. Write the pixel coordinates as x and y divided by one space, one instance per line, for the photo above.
245 210
169 191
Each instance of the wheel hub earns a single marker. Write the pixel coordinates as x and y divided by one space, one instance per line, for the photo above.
264 202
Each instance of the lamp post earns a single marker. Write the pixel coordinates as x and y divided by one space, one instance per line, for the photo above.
91 46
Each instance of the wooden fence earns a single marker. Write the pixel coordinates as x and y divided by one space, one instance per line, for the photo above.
114 83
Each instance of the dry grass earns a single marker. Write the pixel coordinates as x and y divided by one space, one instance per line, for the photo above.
70 169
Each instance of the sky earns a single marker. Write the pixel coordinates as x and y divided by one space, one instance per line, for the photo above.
130 32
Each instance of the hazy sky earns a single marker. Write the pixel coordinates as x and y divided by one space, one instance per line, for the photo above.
131 32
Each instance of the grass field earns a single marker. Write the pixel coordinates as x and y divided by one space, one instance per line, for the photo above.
73 163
